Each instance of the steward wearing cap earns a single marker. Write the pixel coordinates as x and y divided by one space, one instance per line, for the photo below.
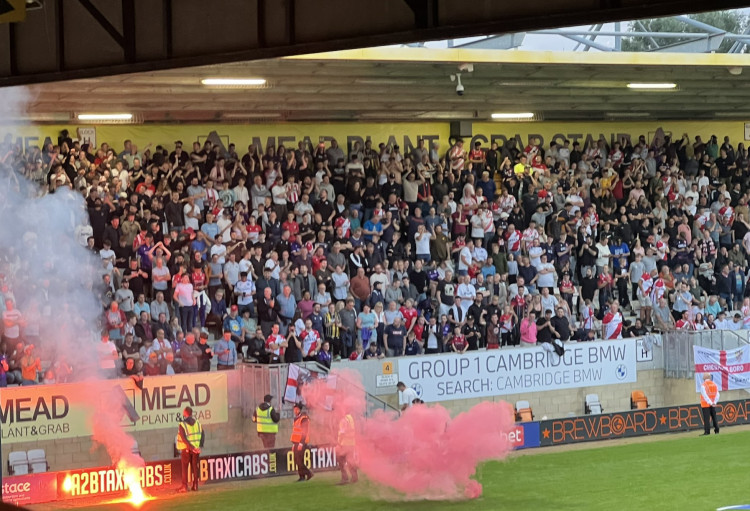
300 438
190 439
266 420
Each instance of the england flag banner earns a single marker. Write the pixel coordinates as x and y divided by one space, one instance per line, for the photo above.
729 369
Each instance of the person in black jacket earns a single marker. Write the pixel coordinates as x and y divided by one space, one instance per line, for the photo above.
561 325
432 337
268 311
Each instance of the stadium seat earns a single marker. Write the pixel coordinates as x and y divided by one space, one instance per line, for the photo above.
38 461
638 400
592 405
524 412
18 463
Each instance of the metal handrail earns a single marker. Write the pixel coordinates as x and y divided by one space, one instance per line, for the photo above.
678 348
373 401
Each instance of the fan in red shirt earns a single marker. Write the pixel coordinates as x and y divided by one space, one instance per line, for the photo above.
473 271
310 340
275 342
684 322
612 323
513 239
345 224
317 259
419 328
460 222
409 313
458 341
145 186
291 226
253 230
727 211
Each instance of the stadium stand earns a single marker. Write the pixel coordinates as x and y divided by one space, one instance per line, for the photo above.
351 246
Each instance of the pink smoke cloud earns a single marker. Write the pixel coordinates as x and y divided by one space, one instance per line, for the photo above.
422 454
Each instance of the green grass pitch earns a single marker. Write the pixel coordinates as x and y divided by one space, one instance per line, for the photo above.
675 472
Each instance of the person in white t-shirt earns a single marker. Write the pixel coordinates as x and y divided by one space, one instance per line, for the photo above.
406 396
464 258
546 273
422 240
192 214
535 254
603 255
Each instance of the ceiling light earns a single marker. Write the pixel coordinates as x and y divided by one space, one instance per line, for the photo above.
250 115
628 114
735 115
446 115
384 81
36 117
521 115
520 83
652 86
233 81
105 117
395 114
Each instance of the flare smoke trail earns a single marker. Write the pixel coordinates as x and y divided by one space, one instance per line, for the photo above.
53 279
424 453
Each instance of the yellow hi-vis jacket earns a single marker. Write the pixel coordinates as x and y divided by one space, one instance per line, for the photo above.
346 431
264 422
192 433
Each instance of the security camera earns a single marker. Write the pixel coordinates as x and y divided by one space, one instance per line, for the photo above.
459 86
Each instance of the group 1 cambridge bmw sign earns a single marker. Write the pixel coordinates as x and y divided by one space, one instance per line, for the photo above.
519 370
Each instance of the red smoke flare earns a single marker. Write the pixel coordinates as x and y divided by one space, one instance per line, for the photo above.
423 453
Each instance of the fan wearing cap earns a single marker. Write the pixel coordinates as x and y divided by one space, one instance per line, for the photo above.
233 324
266 420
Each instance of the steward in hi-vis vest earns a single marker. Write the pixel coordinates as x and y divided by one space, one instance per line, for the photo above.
345 451
300 438
709 398
266 420
189 442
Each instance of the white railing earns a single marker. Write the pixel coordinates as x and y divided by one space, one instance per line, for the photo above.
678 348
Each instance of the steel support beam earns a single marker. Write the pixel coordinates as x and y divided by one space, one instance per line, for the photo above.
615 33
699 24
588 43
642 27
148 35
104 22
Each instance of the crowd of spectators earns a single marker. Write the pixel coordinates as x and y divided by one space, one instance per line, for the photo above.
322 253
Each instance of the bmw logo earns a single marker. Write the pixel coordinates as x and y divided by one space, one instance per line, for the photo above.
622 372
418 389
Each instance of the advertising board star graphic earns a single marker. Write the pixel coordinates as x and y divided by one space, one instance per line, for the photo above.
545 433
5 7
662 420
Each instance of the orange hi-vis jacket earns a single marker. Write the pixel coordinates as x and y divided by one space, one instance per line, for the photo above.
710 390
300 430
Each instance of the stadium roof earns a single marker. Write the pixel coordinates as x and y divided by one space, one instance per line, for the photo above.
414 84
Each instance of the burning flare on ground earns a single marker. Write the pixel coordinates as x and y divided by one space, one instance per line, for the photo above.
132 479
